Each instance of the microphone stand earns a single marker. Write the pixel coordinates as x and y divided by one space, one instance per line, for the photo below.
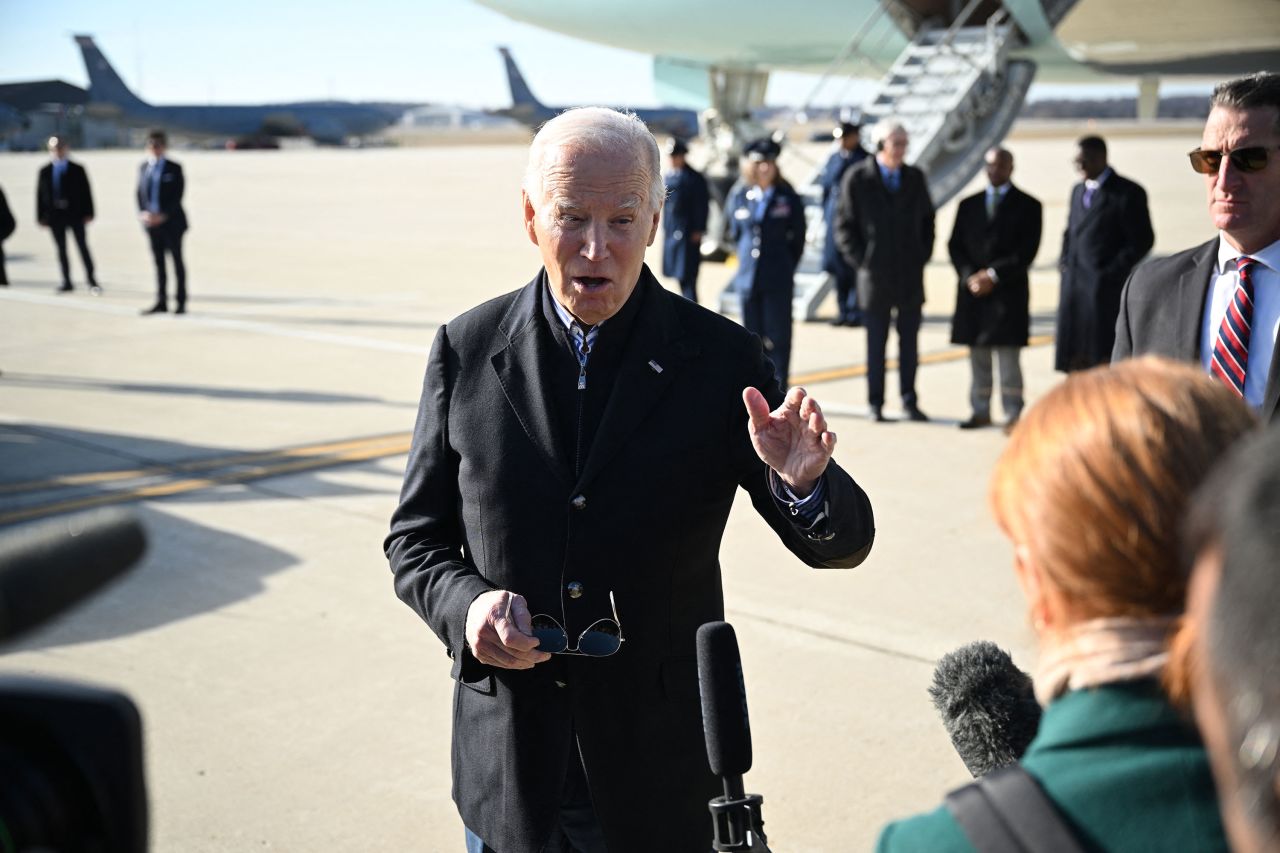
736 819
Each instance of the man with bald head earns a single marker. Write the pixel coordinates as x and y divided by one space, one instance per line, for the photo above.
1219 303
578 447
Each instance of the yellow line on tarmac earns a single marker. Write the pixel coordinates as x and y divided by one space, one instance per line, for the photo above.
290 460
856 370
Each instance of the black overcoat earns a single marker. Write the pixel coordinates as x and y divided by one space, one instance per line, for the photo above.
490 501
684 213
886 236
1099 249
1006 243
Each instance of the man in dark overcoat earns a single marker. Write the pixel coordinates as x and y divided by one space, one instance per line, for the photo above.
884 228
849 152
994 240
1108 232
578 447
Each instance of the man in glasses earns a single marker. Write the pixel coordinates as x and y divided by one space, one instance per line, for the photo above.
578 448
1219 303
1108 232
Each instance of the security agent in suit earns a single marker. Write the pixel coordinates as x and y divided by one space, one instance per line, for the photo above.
684 219
160 187
995 239
766 221
884 229
1175 306
576 454
64 201
849 152
1108 232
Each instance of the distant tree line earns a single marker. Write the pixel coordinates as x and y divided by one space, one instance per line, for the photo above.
1180 106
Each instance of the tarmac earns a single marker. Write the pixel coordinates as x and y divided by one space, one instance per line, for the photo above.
290 701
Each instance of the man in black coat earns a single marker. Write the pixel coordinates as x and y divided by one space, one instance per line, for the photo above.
578 447
1198 305
159 195
884 228
7 226
849 152
1108 232
995 239
64 201
684 220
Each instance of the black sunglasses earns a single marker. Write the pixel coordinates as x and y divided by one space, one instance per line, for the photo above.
601 639
1252 159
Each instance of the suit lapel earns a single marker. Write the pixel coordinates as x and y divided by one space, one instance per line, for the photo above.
1193 291
519 367
654 356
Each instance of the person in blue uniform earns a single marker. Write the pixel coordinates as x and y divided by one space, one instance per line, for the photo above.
684 220
766 218
849 153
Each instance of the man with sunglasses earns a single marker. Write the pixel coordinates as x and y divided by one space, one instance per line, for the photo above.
577 451
1219 303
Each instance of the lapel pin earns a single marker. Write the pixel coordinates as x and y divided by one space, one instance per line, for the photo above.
657 368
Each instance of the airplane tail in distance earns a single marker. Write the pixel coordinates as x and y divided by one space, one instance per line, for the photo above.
104 83
520 94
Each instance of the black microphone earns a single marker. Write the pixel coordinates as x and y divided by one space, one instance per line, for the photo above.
988 706
45 568
735 817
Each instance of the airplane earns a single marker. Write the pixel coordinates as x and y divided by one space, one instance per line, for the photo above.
327 122
526 108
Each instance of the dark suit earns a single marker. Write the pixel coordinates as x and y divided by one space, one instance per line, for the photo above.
494 499
888 238
7 225
1007 244
1123 768
683 214
1162 313
770 243
66 206
1099 249
167 236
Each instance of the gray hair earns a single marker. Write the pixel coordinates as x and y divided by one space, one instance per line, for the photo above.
885 128
1261 89
594 129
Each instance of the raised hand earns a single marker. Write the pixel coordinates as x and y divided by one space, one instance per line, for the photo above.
792 439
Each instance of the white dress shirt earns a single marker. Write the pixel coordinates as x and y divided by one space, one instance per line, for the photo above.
1265 275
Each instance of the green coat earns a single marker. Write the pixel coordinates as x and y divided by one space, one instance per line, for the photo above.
1122 767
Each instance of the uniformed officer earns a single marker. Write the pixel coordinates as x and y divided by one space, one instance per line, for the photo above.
684 219
849 152
767 223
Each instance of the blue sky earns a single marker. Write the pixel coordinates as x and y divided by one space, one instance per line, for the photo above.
255 51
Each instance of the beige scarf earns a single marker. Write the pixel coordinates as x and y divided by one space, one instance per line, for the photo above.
1101 651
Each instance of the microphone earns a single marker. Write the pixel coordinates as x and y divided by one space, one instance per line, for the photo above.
987 704
735 817
46 568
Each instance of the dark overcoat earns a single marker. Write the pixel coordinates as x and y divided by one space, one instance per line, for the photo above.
683 214
1006 243
1100 247
830 180
490 500
75 201
886 236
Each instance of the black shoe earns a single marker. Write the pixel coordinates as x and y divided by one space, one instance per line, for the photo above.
854 320
976 422
181 309
839 321
66 288
914 414
876 414
95 288
156 309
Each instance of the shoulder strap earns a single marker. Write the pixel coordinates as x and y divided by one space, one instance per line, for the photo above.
1007 812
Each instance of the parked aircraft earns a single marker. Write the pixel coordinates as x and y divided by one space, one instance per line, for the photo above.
329 122
529 110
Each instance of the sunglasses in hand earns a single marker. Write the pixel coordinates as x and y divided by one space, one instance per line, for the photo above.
1251 159
601 639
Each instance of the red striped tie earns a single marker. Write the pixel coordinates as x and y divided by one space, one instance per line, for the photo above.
1231 351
